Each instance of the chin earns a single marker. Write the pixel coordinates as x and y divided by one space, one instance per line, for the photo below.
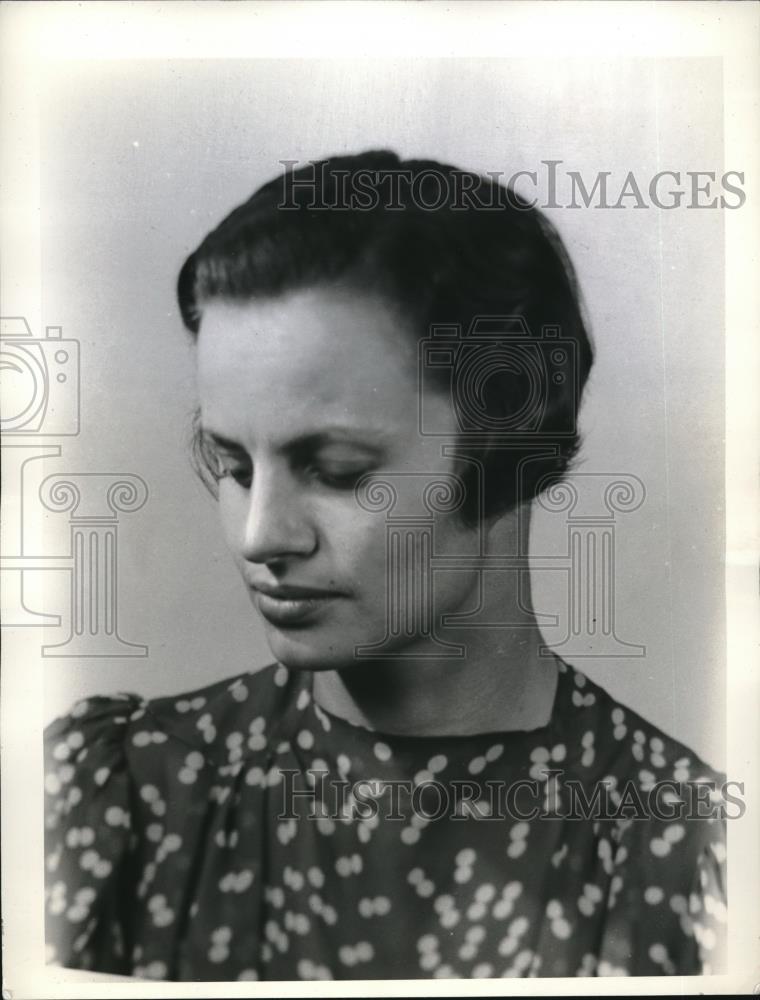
307 653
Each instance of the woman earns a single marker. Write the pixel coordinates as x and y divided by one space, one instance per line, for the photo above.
398 795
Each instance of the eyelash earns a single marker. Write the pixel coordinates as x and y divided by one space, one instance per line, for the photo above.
242 475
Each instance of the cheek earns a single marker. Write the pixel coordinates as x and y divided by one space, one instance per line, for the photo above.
231 515
355 540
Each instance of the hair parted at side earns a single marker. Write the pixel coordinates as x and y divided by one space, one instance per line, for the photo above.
403 229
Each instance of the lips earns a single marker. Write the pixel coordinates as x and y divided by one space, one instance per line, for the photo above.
292 592
289 606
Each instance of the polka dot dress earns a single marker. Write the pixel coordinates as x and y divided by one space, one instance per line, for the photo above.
241 833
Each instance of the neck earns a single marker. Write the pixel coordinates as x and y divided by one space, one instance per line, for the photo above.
500 684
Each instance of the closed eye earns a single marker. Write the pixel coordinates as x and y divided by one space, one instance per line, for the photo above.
314 459
338 477
241 474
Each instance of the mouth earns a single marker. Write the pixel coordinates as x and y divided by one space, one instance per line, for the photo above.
289 607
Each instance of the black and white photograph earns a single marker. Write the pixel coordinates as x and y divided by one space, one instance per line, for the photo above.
380 537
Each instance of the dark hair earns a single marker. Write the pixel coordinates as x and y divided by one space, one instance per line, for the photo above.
405 230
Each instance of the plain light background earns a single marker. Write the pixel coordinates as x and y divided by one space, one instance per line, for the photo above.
139 160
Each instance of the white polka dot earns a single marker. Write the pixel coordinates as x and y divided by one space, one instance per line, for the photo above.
428 942
316 877
673 833
485 893
475 934
502 909
280 676
382 751
415 876
561 928
115 816
429 960
476 765
508 945
53 785
719 850
364 951
102 868
658 953
512 890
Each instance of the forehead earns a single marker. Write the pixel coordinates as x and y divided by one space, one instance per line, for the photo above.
278 369
315 345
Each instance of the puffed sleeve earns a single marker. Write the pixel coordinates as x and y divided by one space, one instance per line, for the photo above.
706 917
668 911
88 839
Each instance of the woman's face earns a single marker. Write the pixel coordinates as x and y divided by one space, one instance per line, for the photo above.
301 396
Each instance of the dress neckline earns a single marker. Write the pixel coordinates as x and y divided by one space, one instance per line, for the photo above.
549 732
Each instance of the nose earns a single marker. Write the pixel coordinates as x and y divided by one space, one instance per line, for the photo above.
276 524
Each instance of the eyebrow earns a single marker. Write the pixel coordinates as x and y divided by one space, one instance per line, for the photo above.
311 440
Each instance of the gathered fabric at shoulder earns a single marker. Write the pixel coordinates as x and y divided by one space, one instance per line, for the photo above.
88 835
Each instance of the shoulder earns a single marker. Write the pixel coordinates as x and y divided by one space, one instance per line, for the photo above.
253 702
114 766
128 719
610 737
661 816
102 736
87 741
662 800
